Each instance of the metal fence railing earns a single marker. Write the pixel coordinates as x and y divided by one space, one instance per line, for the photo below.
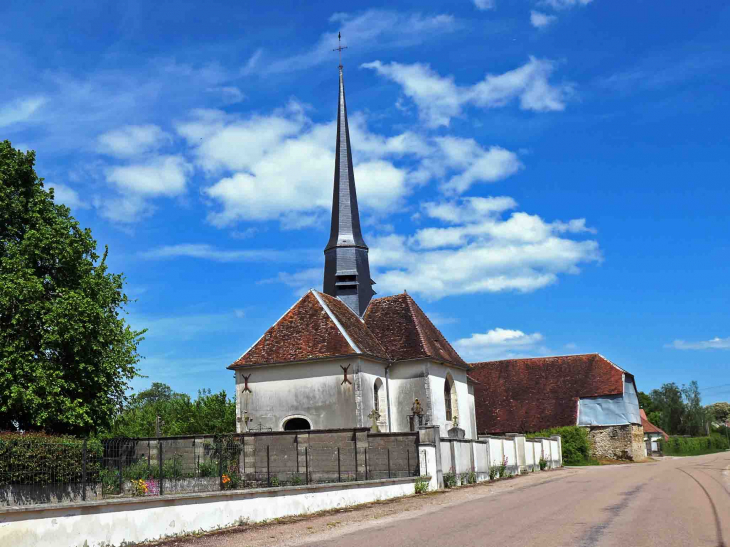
33 472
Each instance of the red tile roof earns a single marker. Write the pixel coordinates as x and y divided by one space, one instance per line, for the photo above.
406 332
321 326
650 427
307 331
528 395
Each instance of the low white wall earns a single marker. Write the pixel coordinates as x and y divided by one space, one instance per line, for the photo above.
113 523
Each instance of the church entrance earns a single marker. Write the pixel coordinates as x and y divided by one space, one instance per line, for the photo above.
297 424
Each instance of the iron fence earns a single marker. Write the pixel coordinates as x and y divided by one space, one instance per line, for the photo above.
33 472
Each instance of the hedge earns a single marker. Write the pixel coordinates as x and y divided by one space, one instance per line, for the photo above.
575 442
694 446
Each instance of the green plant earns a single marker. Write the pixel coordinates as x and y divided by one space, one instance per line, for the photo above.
492 473
421 485
471 477
449 480
576 444
207 468
297 480
502 467
694 446
543 464
274 482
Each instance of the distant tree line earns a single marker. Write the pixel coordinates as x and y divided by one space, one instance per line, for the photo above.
176 414
679 411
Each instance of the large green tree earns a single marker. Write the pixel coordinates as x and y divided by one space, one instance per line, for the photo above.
181 415
66 353
719 412
668 400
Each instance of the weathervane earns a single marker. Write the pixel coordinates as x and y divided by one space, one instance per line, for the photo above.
339 48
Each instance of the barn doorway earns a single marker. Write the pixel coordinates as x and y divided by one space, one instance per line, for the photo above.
297 424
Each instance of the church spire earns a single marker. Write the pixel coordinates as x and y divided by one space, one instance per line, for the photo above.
346 268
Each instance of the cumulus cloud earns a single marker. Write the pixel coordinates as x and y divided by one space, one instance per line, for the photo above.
480 251
714 343
541 20
275 166
370 30
132 140
485 4
229 94
68 196
20 110
160 176
497 344
439 98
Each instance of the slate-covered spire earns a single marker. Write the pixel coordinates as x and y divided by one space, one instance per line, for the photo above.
346 266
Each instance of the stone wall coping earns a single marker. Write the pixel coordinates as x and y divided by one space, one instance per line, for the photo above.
452 440
262 433
391 434
205 496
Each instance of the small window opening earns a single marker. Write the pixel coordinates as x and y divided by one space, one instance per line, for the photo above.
297 424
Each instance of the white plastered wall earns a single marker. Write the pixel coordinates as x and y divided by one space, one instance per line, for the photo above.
465 410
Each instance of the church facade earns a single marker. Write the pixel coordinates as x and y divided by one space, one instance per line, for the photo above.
339 358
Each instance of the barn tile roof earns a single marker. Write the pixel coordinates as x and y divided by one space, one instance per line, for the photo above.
528 395
406 332
650 427
319 326
308 331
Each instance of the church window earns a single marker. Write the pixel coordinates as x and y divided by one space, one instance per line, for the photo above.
447 399
297 424
380 403
376 399
450 401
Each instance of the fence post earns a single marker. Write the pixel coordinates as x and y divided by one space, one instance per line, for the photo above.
306 463
408 458
159 457
220 464
119 460
83 472
388 462
268 467
339 471
366 463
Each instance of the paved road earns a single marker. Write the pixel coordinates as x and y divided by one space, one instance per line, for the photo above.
674 502
682 502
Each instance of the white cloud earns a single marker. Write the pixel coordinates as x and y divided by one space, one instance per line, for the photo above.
300 281
564 4
714 343
68 196
208 252
439 99
132 140
229 94
188 327
541 20
275 165
160 176
479 251
124 209
370 30
20 110
485 4
498 344
252 63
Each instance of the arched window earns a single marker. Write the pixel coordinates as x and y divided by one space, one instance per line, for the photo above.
380 403
297 424
447 399
450 401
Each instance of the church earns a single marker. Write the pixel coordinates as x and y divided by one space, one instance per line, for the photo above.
341 359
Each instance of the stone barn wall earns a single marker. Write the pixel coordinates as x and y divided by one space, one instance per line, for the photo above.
618 442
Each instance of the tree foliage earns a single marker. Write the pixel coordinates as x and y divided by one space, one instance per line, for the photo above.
678 411
719 412
66 354
212 413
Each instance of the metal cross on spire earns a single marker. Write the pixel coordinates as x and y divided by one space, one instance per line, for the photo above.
339 46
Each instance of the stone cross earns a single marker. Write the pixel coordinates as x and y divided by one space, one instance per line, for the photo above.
374 417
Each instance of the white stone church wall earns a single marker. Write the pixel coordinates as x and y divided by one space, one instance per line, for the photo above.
370 372
407 382
310 390
465 411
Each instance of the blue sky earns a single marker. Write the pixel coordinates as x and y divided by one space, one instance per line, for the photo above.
545 177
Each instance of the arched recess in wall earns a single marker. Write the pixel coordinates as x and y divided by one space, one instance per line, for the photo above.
296 423
451 403
380 403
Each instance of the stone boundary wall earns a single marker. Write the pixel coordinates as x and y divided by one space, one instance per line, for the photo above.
113 523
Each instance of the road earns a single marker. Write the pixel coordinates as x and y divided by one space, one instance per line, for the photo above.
673 502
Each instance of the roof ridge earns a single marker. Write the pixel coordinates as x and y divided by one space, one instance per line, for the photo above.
410 303
335 320
541 357
423 313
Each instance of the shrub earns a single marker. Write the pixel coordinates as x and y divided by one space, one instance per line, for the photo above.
502 467
449 480
694 446
543 464
422 484
492 473
575 443
297 480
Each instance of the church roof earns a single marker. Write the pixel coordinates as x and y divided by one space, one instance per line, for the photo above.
317 326
406 332
320 326
529 395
